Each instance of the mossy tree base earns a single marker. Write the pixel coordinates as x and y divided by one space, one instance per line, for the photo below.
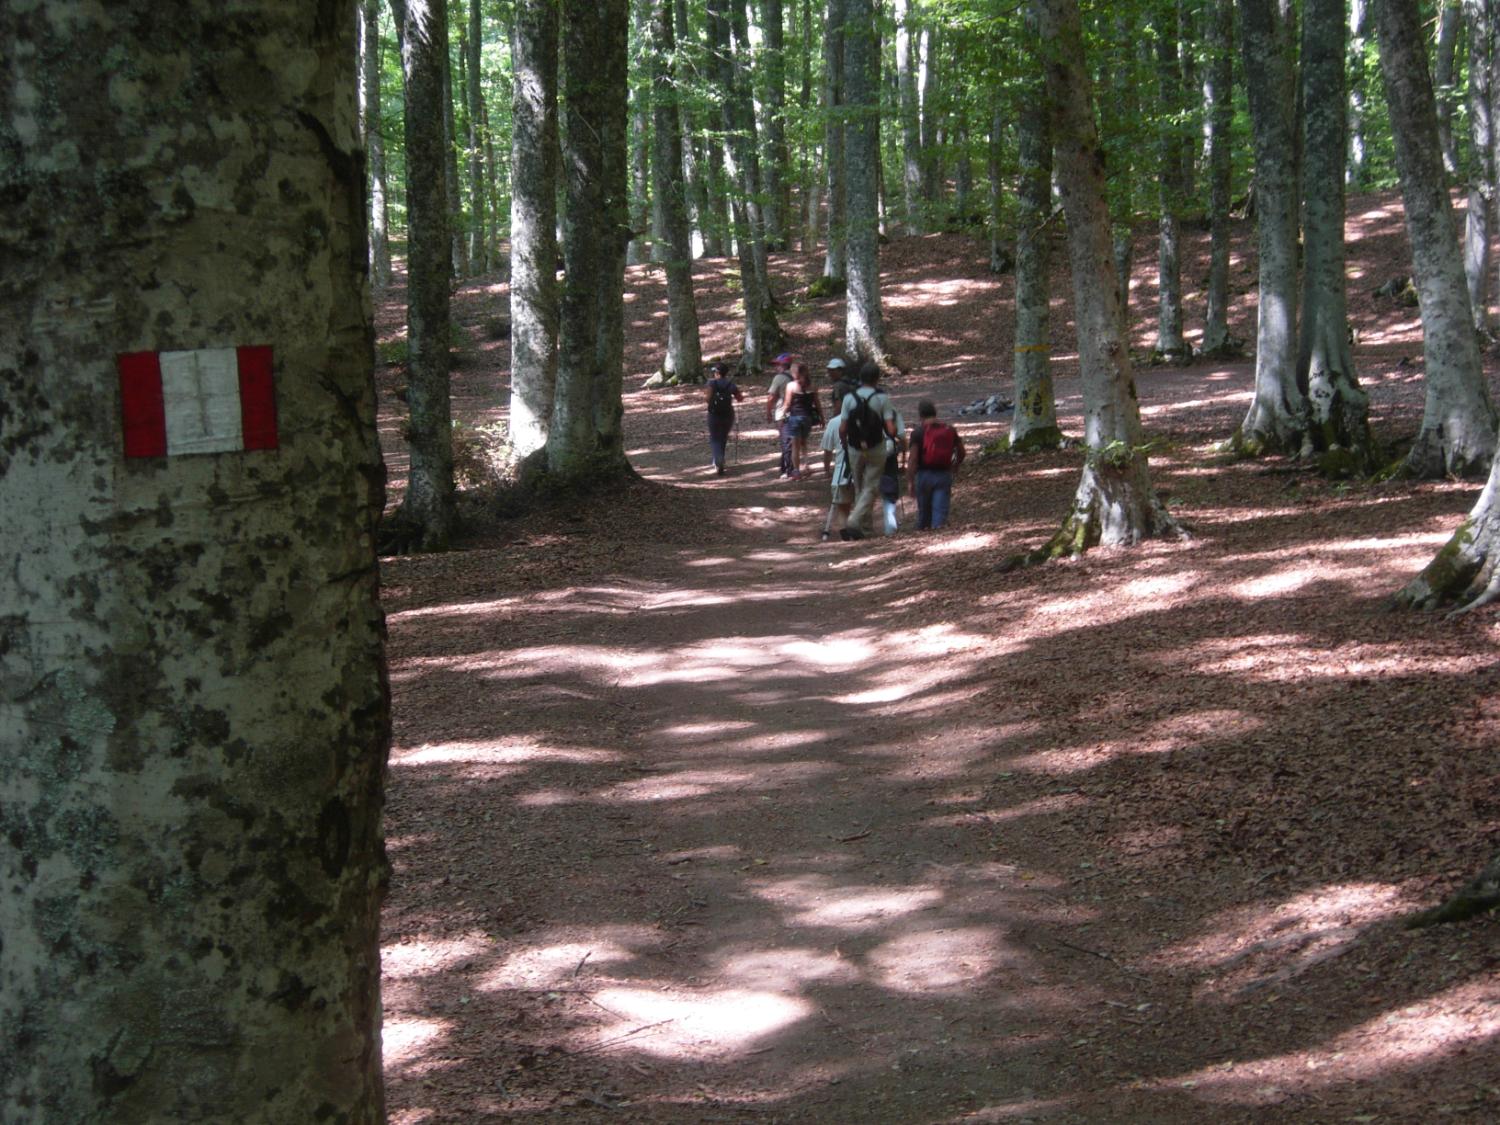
826 287
1462 574
1480 895
1040 440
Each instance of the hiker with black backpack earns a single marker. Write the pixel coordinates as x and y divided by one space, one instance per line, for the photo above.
935 452
867 426
722 393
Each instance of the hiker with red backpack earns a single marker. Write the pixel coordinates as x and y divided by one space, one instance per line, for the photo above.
935 452
722 393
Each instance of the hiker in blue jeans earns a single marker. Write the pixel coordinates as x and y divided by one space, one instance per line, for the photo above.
936 450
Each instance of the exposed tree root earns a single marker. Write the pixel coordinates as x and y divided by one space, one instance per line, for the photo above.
1479 895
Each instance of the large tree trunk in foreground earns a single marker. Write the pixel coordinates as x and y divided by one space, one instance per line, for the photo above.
1277 419
533 225
584 438
1034 423
1466 572
425 519
192 699
1115 504
684 359
864 325
1458 423
1338 409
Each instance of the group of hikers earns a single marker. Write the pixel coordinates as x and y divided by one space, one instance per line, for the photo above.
866 448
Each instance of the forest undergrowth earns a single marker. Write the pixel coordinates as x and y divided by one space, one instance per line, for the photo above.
696 818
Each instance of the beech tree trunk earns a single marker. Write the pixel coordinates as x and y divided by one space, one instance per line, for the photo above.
778 160
1277 419
999 258
1466 571
1172 194
864 325
929 94
1115 504
835 261
369 112
1481 18
474 94
812 202
1444 79
1338 409
1218 83
1034 423
911 130
534 298
424 521
585 438
640 248
1458 423
193 705
684 359
456 219
1358 94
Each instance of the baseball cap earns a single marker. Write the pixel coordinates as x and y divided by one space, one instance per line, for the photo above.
784 357
835 364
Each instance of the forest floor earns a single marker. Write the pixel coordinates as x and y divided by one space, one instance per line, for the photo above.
695 818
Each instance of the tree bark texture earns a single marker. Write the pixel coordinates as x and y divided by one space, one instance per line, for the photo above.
456 217
1466 571
474 96
534 299
929 95
752 179
1115 504
640 248
193 706
1034 423
995 169
778 157
684 359
1172 195
835 261
374 137
864 325
911 128
1218 82
1277 419
1338 409
585 436
1458 421
1482 20
1358 77
425 519
1444 79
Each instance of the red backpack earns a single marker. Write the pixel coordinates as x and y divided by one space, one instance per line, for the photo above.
939 440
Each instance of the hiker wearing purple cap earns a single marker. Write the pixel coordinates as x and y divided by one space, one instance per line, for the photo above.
776 408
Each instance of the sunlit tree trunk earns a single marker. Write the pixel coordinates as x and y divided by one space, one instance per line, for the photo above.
425 519
640 248
1466 572
684 360
812 202
369 105
1444 79
911 131
1126 111
1481 18
1277 419
456 229
748 158
1170 342
478 232
929 94
1115 504
1359 31
534 299
1338 409
1034 423
1458 423
1218 82
864 325
193 708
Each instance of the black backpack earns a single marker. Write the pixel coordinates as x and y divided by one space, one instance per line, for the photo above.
721 400
866 427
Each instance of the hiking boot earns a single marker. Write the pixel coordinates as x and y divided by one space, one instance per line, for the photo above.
851 533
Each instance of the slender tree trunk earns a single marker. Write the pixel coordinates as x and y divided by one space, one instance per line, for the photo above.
1339 409
607 67
1127 111
425 519
534 298
748 159
1481 17
478 232
1219 79
1115 504
1277 419
1170 343
811 171
695 159
1458 424
835 263
1444 79
1034 423
963 165
864 326
684 360
1358 95
495 222
778 160
192 679
456 229
911 130
999 256
640 248
934 174
369 107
